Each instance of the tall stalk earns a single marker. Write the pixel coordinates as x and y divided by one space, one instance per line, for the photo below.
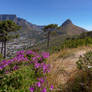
4 49
48 39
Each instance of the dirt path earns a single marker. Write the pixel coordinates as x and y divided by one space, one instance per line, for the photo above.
63 68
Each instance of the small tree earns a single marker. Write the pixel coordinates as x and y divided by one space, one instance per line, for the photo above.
49 28
5 28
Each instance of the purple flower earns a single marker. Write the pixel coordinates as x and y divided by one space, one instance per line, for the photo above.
31 89
29 52
44 90
37 65
34 59
41 80
38 84
45 67
26 58
1 68
10 61
15 67
45 54
51 88
20 52
41 58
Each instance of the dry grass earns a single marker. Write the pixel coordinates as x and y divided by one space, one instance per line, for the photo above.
63 65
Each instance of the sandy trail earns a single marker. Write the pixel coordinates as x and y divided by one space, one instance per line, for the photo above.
63 69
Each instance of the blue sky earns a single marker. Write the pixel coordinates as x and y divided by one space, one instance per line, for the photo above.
43 12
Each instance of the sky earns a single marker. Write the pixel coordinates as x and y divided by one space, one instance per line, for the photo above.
44 12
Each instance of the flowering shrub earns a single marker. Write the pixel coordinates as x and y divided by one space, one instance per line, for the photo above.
26 72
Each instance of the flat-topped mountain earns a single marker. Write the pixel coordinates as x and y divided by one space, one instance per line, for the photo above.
32 30
8 17
20 21
28 30
69 28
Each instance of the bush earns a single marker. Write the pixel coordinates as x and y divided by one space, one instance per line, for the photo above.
24 73
71 43
79 83
85 63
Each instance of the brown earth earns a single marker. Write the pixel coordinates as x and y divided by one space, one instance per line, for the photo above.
63 65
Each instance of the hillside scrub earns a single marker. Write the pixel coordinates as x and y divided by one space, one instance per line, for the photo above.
82 80
72 43
64 68
64 42
26 72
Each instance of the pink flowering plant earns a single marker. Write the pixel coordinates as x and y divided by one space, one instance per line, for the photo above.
26 72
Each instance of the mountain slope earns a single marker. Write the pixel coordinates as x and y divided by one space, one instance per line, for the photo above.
28 29
70 29
20 21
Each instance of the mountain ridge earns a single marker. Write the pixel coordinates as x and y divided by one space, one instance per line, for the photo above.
20 21
30 30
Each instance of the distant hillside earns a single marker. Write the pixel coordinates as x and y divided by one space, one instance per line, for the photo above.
86 34
28 29
35 35
20 21
70 29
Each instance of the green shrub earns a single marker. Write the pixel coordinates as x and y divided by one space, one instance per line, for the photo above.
84 63
71 43
17 81
24 71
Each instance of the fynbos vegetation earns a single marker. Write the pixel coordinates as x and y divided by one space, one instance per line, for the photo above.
26 72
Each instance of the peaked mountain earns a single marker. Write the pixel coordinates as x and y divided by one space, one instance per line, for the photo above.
70 29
